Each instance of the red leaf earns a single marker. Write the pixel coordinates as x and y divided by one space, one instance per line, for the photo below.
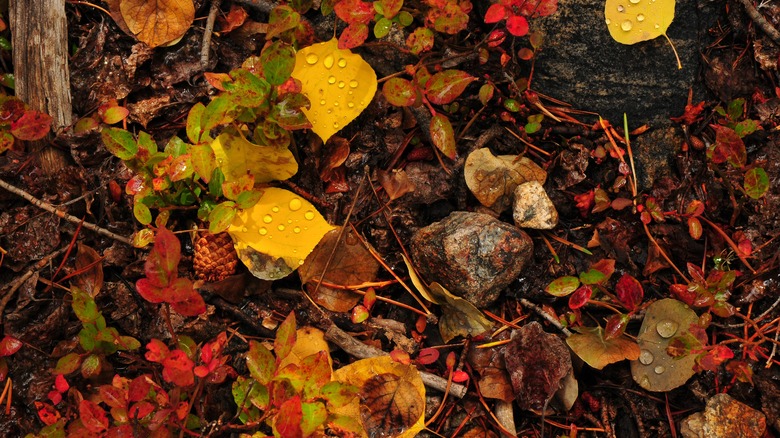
517 25
162 262
54 397
682 293
157 351
353 36
354 11
427 356
616 326
177 369
580 297
150 292
9 345
605 266
443 136
444 87
460 376
495 13
93 417
113 396
47 413
289 418
629 291
694 227
31 126
180 290
192 306
728 147
585 201
691 114
538 8
60 384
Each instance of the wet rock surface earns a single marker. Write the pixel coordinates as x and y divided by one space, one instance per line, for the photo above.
724 417
473 255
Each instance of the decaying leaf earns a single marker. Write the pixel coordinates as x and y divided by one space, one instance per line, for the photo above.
395 182
654 369
351 264
274 237
155 22
392 396
537 363
90 267
494 380
493 179
592 347
459 316
339 84
237 157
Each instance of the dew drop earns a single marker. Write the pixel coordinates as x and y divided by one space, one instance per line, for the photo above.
350 92
244 230
336 125
626 25
280 227
332 80
657 25
295 204
342 63
666 328
341 84
640 17
300 262
328 61
330 111
621 8
309 215
275 209
312 58
262 231
353 84
350 104
335 104
297 230
659 369
268 218
608 21
636 2
646 357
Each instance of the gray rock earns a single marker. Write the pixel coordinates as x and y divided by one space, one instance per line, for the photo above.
473 255
533 208
724 417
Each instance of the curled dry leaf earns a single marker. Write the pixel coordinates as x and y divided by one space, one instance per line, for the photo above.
493 179
537 362
352 264
494 380
392 396
90 267
395 182
154 22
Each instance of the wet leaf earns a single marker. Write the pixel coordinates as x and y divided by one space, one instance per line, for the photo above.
592 347
92 416
392 396
400 92
157 22
350 264
237 157
308 341
517 25
630 23
446 86
278 61
9 345
629 291
274 237
756 182
120 143
339 84
537 362
493 179
396 182
443 136
580 297
285 337
260 362
282 19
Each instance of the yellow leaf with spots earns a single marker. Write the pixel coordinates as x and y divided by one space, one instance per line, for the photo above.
237 157
339 84
633 21
392 396
157 22
309 340
274 237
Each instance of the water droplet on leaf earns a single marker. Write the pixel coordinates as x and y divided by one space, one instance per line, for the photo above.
322 102
280 227
312 58
353 84
342 63
646 357
341 84
297 230
640 17
309 215
268 218
332 80
608 21
620 8
666 328
626 25
659 369
295 204
634 1
262 231
275 209
328 61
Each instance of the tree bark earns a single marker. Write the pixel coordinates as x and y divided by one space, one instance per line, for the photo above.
39 37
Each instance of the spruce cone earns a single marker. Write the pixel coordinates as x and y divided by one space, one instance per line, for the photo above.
215 258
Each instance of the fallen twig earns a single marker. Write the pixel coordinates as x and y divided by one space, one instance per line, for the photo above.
546 316
362 351
206 47
70 218
26 276
760 21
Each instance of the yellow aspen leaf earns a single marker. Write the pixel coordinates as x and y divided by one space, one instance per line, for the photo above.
237 157
633 21
157 22
274 237
309 340
339 84
392 397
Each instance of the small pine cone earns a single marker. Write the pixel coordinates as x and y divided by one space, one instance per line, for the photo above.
215 258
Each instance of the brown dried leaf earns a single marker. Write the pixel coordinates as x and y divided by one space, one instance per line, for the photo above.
538 362
396 183
352 264
489 363
90 265
335 153
591 346
157 22
493 179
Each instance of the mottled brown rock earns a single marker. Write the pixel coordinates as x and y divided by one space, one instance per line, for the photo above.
473 255
724 417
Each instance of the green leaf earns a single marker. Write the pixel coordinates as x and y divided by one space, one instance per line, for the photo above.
142 213
68 364
399 92
260 362
444 87
281 19
249 396
87 336
314 415
84 305
120 143
285 337
382 27
219 111
338 394
563 286
221 217
91 366
278 61
247 89
194 120
443 136
756 182
203 161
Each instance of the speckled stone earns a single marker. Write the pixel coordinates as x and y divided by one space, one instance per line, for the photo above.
724 417
473 255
